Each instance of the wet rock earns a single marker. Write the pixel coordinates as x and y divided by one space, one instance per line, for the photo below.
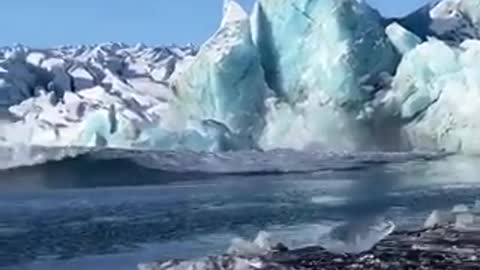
442 247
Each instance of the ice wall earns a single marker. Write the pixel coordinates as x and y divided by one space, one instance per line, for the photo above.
226 83
310 46
324 60
438 89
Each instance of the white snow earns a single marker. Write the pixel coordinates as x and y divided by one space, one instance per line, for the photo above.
37 87
82 79
233 12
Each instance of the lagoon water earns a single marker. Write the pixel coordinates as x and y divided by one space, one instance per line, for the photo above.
113 214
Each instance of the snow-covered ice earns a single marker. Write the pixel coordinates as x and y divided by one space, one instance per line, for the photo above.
333 75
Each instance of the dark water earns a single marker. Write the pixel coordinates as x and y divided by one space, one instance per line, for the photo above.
114 214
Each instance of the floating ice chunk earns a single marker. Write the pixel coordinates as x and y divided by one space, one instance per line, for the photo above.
262 245
464 220
357 241
433 220
264 240
241 247
438 218
460 208
476 207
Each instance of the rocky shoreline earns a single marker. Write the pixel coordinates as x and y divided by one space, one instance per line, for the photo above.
437 248
440 247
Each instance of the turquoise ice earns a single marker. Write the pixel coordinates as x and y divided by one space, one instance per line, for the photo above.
330 46
438 89
226 81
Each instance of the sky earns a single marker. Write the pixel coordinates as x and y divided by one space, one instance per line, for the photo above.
45 23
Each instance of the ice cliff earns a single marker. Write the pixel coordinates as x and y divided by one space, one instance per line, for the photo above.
317 57
225 83
332 74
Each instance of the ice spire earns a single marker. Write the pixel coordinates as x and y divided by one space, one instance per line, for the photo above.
232 12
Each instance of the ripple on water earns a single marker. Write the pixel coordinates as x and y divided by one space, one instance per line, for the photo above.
244 205
8 231
109 219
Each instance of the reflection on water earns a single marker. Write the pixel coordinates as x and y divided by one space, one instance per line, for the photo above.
57 222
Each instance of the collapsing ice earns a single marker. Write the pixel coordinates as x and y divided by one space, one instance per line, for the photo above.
310 73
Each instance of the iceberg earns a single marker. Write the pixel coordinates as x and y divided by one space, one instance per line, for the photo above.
358 238
439 218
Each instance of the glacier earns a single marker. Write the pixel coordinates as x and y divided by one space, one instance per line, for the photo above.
316 56
321 46
72 96
329 74
403 40
438 87
225 83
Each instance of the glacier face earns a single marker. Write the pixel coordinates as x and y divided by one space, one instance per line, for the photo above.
317 59
296 74
438 87
321 46
225 83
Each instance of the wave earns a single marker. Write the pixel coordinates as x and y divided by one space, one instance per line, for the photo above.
281 161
